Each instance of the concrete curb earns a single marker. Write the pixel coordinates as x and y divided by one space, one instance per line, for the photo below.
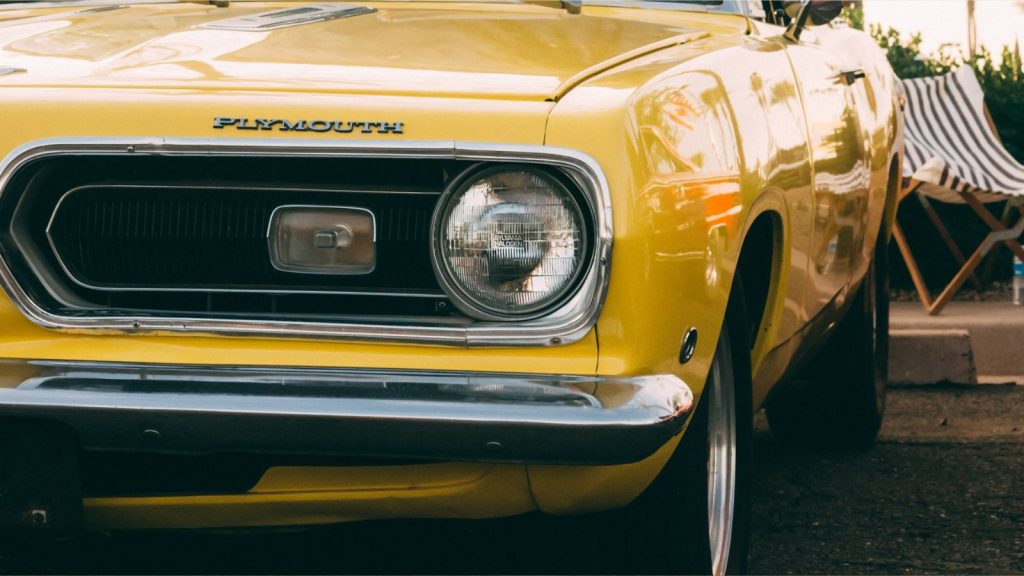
996 331
969 343
931 356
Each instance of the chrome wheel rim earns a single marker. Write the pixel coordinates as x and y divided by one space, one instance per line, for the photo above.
721 455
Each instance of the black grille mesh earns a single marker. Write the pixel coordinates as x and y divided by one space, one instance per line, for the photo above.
161 238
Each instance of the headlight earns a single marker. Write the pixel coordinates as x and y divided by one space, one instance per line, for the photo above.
508 242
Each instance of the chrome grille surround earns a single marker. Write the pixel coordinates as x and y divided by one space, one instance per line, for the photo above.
567 324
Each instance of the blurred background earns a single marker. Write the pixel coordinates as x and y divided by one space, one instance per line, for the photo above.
932 37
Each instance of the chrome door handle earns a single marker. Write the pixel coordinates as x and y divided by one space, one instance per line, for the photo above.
848 77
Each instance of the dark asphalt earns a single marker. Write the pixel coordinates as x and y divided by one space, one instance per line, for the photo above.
940 493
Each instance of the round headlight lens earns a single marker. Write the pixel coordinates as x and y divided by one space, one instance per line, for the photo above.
508 242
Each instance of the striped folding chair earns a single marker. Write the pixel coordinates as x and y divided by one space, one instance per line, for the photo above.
953 154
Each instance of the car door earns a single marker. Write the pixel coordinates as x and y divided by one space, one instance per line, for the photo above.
830 88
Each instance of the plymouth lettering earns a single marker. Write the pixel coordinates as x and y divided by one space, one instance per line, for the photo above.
321 126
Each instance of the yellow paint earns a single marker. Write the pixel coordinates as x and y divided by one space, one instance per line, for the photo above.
698 121
716 135
423 49
323 495
20 338
295 496
583 489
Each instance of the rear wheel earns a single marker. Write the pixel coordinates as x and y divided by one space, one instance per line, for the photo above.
843 399
695 517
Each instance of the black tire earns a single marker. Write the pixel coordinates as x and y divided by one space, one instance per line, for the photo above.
667 529
843 399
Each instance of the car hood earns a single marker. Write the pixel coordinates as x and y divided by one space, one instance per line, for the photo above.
516 51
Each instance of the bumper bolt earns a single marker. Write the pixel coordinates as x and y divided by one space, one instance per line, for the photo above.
39 517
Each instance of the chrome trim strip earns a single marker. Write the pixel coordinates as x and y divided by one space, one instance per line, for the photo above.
288 17
92 8
568 324
104 4
423 414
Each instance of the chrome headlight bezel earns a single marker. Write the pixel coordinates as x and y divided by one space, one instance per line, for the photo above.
462 296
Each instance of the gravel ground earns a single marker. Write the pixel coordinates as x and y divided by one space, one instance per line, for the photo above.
996 292
897 509
939 493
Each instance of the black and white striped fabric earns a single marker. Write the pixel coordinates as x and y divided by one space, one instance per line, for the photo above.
949 144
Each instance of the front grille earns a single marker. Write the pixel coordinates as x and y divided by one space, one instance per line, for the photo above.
188 236
171 235
163 238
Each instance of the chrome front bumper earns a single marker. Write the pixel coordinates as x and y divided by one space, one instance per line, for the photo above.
401 414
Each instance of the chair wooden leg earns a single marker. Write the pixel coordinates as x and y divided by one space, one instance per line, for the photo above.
909 188
911 262
916 277
1006 236
960 278
1001 233
1011 242
990 261
946 236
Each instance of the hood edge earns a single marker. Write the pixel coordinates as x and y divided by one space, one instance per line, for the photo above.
583 75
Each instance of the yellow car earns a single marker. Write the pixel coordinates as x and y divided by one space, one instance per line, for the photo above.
292 263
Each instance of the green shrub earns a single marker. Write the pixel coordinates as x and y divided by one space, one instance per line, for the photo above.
1004 95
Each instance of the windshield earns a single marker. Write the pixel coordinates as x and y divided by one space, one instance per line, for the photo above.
728 6
744 7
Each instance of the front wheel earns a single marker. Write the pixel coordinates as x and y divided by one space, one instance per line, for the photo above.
695 517
729 461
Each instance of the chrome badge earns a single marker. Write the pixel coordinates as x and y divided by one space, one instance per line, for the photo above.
322 126
322 240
